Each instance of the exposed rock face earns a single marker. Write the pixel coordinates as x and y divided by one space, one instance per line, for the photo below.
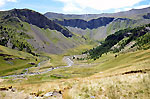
33 32
103 21
92 24
38 19
97 28
73 23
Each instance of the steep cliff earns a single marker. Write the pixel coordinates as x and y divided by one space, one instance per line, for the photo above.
99 26
27 30
97 29
35 18
79 23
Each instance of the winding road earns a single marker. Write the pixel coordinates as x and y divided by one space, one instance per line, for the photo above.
65 59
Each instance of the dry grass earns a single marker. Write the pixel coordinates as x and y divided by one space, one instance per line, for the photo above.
14 95
107 83
116 87
128 86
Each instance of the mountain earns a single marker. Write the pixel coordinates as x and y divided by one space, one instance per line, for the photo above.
129 39
35 18
25 29
33 62
92 24
127 14
99 26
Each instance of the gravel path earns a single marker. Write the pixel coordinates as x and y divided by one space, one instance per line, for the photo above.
65 59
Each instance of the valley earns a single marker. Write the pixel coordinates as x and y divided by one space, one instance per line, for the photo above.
61 56
94 74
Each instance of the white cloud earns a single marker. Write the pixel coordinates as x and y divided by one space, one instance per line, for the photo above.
71 7
3 2
11 0
101 5
135 7
142 6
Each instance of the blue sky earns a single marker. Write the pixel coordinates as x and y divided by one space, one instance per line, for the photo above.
75 6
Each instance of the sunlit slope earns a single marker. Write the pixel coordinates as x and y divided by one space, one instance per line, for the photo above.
13 61
109 77
30 31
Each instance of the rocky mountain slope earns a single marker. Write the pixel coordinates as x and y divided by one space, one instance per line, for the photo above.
30 31
121 68
22 28
99 26
127 14
34 18
92 24
130 39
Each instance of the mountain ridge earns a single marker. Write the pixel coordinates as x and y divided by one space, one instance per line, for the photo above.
95 27
135 38
46 35
52 15
83 24
54 35
37 19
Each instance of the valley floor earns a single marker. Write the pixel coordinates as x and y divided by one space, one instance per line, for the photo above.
126 76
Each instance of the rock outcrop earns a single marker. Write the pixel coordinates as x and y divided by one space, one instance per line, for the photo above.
79 23
37 19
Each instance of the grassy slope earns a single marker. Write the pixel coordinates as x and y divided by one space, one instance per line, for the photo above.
116 87
52 41
49 41
17 64
119 25
108 63
52 38
106 80
57 60
102 32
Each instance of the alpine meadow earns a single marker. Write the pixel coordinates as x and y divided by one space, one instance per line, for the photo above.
52 52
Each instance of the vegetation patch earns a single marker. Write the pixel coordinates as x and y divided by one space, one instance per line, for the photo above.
123 37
